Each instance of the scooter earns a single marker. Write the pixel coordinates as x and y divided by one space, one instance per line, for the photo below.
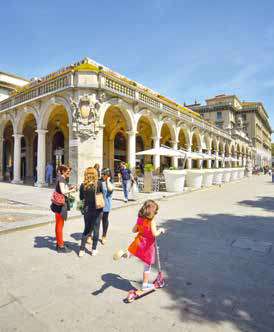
159 282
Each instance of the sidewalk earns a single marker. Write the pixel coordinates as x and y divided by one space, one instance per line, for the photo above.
24 207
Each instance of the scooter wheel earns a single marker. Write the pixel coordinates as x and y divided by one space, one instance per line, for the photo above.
130 297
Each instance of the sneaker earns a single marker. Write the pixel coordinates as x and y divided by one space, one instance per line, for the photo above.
94 252
104 240
63 250
89 239
81 253
146 286
121 253
125 200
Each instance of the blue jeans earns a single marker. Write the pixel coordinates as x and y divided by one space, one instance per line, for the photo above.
49 178
125 184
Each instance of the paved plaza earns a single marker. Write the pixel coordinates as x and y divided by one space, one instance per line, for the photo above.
217 256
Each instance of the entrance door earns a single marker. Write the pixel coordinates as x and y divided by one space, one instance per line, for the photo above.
58 144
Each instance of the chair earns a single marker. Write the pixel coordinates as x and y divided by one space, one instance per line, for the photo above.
162 183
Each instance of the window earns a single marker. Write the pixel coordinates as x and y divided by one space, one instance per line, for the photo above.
219 115
244 117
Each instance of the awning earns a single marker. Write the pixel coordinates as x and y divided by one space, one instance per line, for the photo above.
161 151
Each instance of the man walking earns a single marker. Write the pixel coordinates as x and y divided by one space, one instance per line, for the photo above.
125 175
49 172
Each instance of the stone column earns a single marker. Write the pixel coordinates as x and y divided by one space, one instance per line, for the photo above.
189 160
156 159
41 158
131 148
17 159
217 160
1 159
174 160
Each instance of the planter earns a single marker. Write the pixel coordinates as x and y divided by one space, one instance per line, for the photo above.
234 174
175 180
148 181
218 176
194 178
241 173
248 172
227 174
208 177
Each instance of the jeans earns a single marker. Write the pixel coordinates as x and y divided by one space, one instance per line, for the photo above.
49 178
105 223
92 225
125 184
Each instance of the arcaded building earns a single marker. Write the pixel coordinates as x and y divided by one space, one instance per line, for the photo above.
86 113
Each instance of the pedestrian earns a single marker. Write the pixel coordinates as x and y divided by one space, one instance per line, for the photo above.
61 211
90 190
97 167
107 192
49 172
143 246
10 172
125 176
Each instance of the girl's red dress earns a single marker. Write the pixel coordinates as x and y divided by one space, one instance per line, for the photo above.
143 246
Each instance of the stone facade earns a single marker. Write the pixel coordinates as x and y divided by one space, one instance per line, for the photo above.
229 113
86 114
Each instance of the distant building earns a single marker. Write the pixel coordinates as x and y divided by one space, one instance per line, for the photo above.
248 119
10 83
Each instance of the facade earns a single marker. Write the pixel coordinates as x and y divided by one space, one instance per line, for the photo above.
86 113
10 83
248 119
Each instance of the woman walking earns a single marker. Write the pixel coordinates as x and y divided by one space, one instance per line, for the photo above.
107 192
89 189
61 211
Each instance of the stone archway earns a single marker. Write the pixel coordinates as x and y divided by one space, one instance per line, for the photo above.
115 138
167 140
8 151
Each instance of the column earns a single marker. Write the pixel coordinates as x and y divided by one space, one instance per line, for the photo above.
131 148
156 158
1 159
17 159
189 160
217 160
174 160
41 158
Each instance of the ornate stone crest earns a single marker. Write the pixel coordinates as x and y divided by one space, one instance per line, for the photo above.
85 115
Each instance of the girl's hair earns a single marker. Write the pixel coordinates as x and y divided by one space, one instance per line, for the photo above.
90 177
96 166
148 210
64 168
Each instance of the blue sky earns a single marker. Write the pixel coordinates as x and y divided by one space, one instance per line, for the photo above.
185 50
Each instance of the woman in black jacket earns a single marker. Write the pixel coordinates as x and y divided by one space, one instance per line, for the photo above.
92 216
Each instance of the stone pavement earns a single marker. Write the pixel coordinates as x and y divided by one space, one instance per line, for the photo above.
28 206
217 256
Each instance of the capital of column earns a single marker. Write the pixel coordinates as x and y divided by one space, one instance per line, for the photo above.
41 131
131 132
17 136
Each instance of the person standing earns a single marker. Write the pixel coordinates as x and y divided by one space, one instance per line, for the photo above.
92 215
97 167
107 193
49 172
61 212
125 176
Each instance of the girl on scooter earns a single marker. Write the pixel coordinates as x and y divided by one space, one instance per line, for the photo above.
143 246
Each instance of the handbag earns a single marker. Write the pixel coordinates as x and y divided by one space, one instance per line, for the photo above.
99 200
57 198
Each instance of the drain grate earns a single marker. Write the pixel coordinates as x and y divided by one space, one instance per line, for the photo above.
254 245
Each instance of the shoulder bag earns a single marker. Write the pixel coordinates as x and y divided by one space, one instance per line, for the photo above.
99 200
57 198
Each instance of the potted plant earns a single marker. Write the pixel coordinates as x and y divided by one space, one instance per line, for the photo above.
175 179
218 176
148 168
208 177
194 177
234 173
226 174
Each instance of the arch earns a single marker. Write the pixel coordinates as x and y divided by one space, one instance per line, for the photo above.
22 117
4 120
171 126
151 117
123 106
48 106
196 140
183 138
208 142
214 145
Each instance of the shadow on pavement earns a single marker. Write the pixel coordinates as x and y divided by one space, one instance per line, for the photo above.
266 203
213 282
114 280
50 242
76 236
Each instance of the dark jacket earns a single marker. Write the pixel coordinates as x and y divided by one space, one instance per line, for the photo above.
89 197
